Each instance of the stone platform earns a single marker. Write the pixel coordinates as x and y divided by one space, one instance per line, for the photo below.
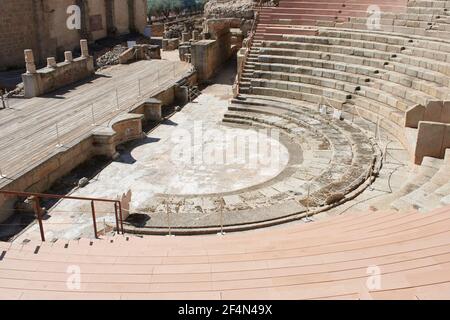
28 130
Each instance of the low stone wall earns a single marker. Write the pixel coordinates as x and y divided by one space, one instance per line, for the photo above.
46 172
56 75
170 44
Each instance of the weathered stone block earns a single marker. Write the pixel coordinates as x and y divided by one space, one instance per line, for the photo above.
127 56
430 138
51 62
84 48
445 141
68 57
413 115
207 56
195 35
185 37
433 111
153 110
445 115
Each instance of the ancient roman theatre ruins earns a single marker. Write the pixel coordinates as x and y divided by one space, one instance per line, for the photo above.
288 151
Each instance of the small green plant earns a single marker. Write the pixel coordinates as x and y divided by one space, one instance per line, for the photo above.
163 8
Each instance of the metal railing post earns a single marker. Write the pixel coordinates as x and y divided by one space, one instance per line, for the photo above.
38 212
307 197
57 136
121 216
168 217
93 115
94 221
104 226
139 88
117 99
307 218
35 197
221 207
117 217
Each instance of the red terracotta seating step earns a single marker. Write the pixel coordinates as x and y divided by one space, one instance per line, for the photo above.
295 261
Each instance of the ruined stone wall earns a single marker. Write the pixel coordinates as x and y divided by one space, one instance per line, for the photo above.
97 19
207 56
121 16
140 20
17 30
57 38
40 25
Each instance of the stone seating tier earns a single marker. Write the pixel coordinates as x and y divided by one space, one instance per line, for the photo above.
329 159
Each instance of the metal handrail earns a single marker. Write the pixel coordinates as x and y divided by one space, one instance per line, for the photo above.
38 210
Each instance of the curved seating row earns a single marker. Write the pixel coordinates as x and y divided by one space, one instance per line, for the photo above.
380 255
329 159
323 53
381 75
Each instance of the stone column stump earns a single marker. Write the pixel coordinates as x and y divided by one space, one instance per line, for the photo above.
84 48
68 57
29 61
51 62
153 109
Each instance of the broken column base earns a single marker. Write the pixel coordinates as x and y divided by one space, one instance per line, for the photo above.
140 52
153 110
170 44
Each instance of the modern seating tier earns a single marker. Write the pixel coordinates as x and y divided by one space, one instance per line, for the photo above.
413 18
311 12
328 259
427 18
